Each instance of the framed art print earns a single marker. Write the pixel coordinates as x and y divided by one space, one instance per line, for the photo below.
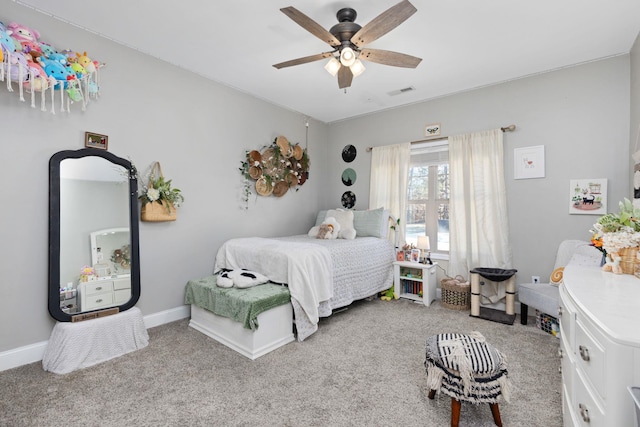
95 140
588 196
528 162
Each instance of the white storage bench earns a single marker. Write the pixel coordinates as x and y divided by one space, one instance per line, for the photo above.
252 321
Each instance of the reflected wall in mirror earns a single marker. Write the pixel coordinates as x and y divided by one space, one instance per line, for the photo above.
93 234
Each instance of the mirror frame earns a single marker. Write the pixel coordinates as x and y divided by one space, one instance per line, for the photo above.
54 231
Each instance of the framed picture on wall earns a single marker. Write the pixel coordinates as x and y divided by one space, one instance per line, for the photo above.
95 140
588 196
528 162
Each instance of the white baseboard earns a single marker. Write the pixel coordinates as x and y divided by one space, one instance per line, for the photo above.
167 316
22 355
35 352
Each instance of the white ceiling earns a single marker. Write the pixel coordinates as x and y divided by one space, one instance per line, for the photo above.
464 44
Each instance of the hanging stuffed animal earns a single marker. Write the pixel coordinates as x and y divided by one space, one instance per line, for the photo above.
22 33
55 69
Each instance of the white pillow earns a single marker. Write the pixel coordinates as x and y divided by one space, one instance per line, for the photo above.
345 219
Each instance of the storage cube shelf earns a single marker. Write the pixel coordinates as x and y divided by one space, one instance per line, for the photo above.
415 281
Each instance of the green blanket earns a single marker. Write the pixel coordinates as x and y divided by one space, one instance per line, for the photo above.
241 305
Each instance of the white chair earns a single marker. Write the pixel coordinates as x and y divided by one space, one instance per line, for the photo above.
545 296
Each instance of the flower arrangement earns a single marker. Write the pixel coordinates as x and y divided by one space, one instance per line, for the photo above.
160 190
596 242
615 231
86 272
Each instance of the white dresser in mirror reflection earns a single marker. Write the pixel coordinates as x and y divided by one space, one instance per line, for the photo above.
105 292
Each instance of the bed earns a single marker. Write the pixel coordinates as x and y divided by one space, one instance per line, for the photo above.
322 275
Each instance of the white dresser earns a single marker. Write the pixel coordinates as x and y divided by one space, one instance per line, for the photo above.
103 293
599 346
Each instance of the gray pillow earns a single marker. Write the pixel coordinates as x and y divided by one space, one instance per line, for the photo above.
320 217
371 222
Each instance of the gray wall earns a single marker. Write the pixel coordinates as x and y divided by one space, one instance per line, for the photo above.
199 131
580 115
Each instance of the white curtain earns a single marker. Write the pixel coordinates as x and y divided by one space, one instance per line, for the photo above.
388 183
479 230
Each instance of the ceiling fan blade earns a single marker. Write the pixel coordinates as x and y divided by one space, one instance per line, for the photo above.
303 60
388 57
345 77
310 25
383 23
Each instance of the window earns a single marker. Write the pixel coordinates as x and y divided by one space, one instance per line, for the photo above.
428 195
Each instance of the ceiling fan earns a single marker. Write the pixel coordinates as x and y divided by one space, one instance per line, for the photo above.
348 40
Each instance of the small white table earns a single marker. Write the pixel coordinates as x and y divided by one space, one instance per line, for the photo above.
415 281
82 344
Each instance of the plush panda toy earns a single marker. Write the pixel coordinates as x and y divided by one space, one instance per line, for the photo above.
329 229
240 278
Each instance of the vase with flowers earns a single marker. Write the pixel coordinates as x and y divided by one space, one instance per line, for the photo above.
618 236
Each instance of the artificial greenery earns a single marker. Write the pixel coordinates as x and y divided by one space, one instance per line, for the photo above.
627 217
159 190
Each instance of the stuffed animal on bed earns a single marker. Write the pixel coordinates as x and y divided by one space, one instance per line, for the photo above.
329 229
240 278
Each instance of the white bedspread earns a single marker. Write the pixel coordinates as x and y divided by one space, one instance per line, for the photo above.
359 268
305 267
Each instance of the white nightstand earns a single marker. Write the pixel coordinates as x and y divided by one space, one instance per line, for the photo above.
415 281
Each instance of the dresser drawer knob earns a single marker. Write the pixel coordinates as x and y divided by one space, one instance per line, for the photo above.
559 311
99 288
99 300
584 353
559 352
584 413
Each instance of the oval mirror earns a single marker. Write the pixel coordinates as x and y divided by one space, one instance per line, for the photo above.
94 266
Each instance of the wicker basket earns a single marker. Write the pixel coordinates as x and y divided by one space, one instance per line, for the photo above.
628 259
156 212
456 293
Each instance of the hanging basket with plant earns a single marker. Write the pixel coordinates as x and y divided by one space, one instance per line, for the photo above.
159 200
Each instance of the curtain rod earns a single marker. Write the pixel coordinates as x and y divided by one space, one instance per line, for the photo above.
509 128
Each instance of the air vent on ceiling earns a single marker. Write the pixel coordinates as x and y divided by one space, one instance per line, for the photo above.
403 90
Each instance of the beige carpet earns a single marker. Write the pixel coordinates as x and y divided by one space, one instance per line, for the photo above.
364 367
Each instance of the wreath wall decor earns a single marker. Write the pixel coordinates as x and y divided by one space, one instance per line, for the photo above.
275 169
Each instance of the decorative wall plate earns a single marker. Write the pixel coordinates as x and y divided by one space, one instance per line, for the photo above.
263 187
349 177
349 153
348 199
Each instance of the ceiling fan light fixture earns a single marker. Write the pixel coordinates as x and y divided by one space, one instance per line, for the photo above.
357 68
332 66
347 57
